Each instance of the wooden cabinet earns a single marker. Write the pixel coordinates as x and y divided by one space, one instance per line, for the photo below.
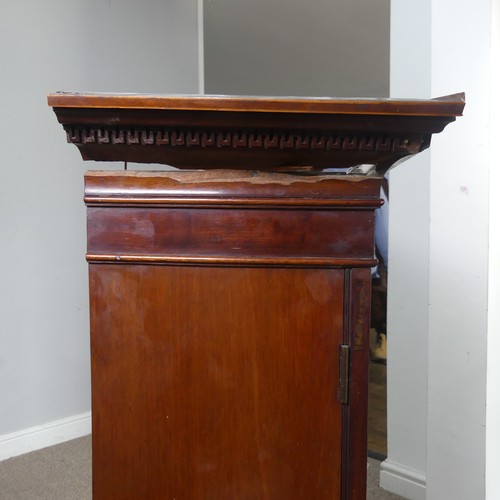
230 307
216 333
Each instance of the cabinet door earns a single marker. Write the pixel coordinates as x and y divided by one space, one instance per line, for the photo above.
216 383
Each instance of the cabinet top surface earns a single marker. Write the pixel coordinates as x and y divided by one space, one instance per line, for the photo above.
451 105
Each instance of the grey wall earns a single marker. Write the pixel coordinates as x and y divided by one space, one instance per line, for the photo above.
45 47
290 47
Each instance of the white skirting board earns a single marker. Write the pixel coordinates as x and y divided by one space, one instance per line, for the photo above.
401 480
41 436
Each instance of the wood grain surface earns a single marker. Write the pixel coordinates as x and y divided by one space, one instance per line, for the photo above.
214 383
451 105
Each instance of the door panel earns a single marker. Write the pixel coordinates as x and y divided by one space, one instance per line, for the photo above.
216 383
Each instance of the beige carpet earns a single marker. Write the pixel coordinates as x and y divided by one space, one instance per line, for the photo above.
63 472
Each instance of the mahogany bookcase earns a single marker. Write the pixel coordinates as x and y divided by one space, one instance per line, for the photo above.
230 298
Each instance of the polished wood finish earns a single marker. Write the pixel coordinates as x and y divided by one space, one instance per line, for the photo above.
231 217
251 133
214 384
228 319
451 105
230 308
